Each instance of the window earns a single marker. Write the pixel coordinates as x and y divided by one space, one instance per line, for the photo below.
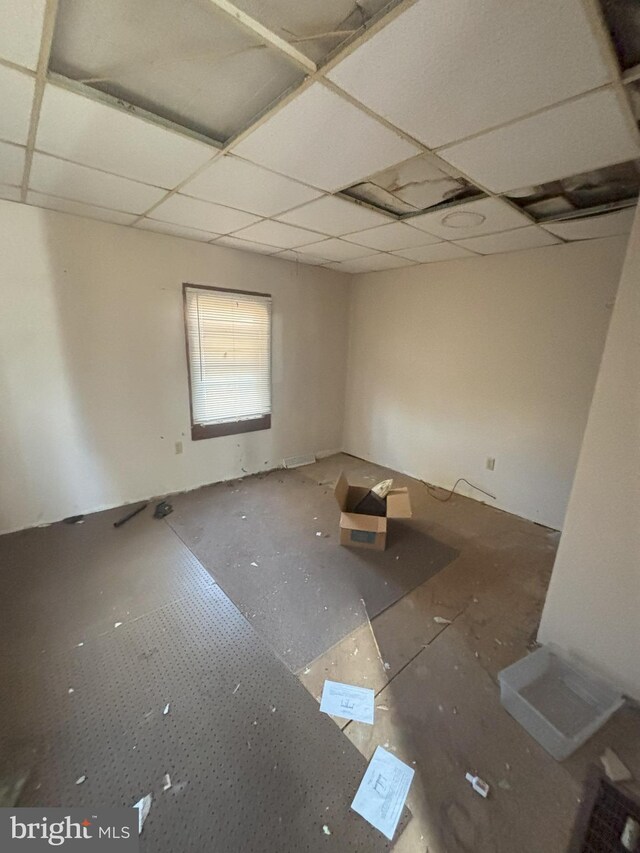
229 359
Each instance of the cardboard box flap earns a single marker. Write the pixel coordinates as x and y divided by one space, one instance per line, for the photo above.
398 504
341 491
356 521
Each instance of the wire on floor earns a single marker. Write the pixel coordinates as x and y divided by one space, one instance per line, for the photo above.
430 488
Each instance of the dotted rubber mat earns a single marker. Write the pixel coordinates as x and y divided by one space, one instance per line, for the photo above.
254 765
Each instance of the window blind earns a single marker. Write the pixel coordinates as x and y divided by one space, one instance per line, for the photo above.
229 351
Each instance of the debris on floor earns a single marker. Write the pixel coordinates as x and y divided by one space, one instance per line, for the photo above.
162 509
478 784
81 780
383 791
235 689
166 782
144 806
440 620
165 710
131 515
614 767
326 829
117 624
348 701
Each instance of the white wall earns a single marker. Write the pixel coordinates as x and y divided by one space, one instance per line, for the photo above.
495 356
593 604
93 378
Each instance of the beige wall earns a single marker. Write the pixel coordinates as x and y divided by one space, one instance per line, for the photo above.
93 380
495 356
593 604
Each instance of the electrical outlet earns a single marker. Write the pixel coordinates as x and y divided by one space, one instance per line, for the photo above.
178 447
491 463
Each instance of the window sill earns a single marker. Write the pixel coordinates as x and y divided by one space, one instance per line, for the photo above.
200 431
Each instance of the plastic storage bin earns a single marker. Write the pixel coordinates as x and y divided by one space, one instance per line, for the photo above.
560 705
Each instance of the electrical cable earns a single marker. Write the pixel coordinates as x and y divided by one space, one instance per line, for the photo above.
429 488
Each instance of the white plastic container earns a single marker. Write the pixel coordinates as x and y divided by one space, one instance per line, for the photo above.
559 704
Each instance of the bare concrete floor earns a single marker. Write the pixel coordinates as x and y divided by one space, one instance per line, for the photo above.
437 694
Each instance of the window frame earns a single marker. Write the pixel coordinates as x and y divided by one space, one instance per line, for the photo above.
201 431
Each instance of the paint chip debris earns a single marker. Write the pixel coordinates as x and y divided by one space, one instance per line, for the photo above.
81 780
166 782
614 767
79 645
254 564
326 829
71 690
319 533
478 784
387 666
144 806
236 688
440 620
382 707
165 710
117 624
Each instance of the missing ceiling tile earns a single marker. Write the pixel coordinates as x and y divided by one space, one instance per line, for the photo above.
183 60
316 29
623 20
608 188
414 186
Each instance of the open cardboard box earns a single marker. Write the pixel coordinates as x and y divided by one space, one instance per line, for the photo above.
367 531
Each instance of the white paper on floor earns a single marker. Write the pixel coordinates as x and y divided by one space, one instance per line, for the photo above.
383 791
348 701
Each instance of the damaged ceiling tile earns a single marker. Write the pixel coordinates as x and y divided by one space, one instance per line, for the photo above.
315 29
592 226
173 58
615 186
414 186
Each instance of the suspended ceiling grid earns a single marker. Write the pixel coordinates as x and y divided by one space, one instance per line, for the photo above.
159 122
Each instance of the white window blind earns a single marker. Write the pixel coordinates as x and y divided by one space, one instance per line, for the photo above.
229 350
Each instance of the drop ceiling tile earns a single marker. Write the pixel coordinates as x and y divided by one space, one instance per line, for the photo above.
584 134
21 31
431 254
509 241
96 134
588 227
11 163
16 97
334 249
471 219
79 183
334 216
395 235
10 193
238 183
182 210
88 211
323 140
176 230
445 69
374 263
247 245
277 234
300 257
